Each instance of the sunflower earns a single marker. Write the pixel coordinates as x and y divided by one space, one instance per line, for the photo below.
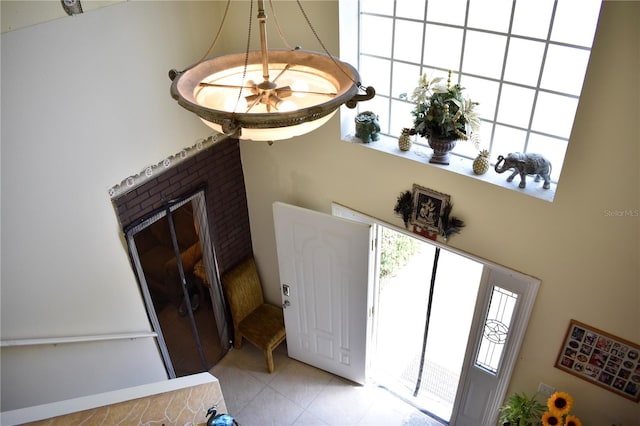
550 419
560 403
572 421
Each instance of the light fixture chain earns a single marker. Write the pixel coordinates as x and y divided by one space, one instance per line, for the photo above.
280 33
215 40
246 56
326 51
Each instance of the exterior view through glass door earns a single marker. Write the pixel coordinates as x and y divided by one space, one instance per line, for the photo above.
419 352
473 300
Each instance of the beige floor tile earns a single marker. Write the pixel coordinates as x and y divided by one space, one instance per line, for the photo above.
238 386
342 403
269 407
300 383
298 394
308 419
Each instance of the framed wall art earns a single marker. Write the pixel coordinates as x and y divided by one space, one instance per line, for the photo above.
602 359
428 208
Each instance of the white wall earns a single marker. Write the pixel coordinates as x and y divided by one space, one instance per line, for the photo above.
587 260
85 103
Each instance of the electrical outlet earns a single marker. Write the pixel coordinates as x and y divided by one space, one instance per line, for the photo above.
546 390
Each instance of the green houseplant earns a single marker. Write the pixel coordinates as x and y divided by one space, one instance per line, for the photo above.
521 410
443 115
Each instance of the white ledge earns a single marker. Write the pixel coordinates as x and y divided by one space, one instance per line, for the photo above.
459 165
74 339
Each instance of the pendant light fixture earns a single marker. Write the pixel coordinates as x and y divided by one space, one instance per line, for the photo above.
270 94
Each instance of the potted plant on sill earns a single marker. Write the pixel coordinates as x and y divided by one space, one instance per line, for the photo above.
443 115
521 410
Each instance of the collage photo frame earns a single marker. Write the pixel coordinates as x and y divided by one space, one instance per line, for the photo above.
602 359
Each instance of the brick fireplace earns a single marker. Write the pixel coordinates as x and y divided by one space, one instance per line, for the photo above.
219 167
213 171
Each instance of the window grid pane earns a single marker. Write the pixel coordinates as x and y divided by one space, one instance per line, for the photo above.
495 62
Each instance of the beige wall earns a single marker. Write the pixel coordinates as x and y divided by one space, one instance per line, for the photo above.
587 260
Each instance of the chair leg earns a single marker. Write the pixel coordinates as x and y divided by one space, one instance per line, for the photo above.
237 340
269 358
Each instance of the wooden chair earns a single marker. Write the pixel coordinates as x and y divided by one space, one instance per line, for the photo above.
262 324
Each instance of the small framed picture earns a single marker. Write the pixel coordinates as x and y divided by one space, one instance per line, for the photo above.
428 208
602 359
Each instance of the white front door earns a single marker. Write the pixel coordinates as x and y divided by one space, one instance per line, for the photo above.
502 312
324 276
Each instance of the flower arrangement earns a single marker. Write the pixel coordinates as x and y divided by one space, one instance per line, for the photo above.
442 112
559 405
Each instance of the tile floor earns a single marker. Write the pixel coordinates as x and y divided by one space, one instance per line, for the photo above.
298 394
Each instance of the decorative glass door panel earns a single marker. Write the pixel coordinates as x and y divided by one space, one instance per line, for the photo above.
496 329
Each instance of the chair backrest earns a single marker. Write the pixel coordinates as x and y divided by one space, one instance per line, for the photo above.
243 289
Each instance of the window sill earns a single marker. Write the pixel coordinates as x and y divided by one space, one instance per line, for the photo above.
459 165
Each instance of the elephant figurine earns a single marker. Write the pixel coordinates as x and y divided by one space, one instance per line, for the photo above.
525 164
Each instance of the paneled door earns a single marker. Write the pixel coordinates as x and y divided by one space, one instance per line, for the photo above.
502 312
324 264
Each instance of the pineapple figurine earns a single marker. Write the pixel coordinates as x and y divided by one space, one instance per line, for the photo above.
404 141
481 163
